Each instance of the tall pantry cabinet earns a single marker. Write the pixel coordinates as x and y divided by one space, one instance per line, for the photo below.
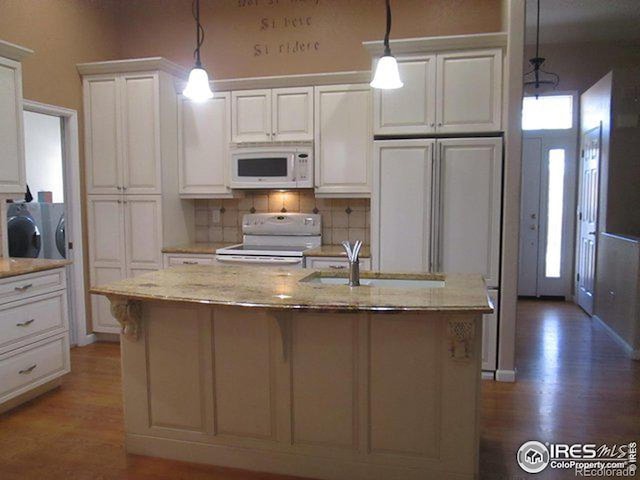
436 202
131 155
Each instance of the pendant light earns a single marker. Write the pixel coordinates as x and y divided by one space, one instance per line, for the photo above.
537 80
198 88
387 76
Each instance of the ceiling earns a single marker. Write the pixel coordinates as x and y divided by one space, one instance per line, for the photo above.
575 21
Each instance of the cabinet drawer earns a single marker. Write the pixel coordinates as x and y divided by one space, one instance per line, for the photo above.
335 263
172 261
24 286
29 320
29 367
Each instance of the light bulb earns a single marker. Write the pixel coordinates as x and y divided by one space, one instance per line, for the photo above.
198 88
387 76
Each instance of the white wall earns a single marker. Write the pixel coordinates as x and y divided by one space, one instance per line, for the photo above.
43 153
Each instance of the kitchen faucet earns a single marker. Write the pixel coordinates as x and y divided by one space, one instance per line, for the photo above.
353 254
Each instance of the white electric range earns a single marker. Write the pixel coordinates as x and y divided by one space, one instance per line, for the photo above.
274 239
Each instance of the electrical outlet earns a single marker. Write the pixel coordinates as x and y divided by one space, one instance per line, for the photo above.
215 217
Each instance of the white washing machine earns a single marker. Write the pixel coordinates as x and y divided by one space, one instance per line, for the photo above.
53 231
24 230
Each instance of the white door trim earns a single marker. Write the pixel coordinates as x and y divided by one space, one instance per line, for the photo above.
74 226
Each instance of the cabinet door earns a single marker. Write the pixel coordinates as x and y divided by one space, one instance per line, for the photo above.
141 133
469 91
143 232
490 334
468 228
106 254
12 163
401 222
102 134
251 116
292 114
412 108
343 137
204 146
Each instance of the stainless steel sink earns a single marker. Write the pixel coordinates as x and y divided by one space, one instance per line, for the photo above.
378 280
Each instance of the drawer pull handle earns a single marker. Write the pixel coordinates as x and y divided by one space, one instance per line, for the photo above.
23 288
25 323
187 262
337 267
27 371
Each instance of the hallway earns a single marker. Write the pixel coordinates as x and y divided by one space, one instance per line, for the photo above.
574 385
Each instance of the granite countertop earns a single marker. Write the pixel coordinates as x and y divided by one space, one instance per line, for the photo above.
264 287
197 248
335 251
11 267
210 249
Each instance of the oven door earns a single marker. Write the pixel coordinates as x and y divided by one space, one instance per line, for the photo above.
261 261
260 168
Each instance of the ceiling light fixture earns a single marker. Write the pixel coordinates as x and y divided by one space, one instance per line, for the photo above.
387 76
198 88
537 79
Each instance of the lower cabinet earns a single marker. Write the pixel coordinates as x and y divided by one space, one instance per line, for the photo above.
34 336
125 240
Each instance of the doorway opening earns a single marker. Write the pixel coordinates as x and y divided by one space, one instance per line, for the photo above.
53 177
549 152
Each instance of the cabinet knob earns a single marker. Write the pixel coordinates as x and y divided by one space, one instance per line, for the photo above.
439 124
119 187
432 124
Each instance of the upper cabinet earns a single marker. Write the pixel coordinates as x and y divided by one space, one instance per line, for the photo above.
122 121
456 92
412 108
278 115
204 136
12 163
343 140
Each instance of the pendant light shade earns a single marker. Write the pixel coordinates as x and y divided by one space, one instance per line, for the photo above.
198 88
387 76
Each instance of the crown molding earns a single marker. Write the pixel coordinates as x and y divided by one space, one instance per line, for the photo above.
133 65
435 44
303 80
13 51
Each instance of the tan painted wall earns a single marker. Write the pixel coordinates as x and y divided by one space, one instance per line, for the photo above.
581 65
235 33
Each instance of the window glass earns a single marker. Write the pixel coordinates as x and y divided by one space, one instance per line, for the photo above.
552 112
553 257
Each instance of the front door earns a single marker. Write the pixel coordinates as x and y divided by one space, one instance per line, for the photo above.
588 218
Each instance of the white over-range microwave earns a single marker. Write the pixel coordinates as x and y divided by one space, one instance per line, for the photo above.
272 167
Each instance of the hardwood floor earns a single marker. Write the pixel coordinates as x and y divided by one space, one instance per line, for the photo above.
574 385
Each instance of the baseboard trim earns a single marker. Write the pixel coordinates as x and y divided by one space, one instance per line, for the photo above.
86 340
486 375
634 354
505 375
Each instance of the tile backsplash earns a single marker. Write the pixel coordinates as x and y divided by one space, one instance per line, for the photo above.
342 219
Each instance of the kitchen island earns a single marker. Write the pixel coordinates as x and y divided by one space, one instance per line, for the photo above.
287 371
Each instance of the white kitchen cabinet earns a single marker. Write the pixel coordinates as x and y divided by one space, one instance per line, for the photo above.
205 134
292 114
469 91
490 334
122 140
453 92
401 205
469 174
279 114
125 239
174 259
12 163
335 263
412 108
251 116
343 138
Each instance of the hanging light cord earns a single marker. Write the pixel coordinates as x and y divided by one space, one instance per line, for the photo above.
537 61
195 9
387 49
